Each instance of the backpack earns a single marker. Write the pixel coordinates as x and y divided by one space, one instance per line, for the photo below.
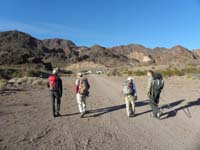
127 88
84 86
52 82
158 82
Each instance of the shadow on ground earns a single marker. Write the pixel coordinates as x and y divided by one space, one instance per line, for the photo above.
185 108
171 113
102 111
72 114
165 106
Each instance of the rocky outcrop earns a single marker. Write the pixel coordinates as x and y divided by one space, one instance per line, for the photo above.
141 57
102 55
181 52
196 53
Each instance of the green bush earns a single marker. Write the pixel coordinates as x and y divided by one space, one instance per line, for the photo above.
139 73
172 72
192 70
17 74
2 83
114 72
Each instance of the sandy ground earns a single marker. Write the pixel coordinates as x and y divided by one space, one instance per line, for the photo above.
26 121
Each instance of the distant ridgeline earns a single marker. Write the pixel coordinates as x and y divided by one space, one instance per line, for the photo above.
21 48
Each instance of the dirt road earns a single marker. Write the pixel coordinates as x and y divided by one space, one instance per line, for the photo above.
26 121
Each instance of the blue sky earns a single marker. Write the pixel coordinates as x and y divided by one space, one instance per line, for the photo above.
152 23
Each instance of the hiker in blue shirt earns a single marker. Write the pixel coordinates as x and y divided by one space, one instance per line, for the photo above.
130 96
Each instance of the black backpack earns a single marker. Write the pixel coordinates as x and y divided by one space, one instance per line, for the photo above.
158 82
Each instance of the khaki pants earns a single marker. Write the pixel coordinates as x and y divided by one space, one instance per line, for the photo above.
130 104
81 103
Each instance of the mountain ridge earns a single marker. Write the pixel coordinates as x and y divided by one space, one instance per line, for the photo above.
17 47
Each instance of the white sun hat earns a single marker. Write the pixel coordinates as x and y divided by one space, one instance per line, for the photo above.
79 74
55 71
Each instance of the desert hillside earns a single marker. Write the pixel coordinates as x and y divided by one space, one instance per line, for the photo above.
19 48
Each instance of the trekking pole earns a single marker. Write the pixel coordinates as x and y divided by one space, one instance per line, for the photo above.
169 106
188 114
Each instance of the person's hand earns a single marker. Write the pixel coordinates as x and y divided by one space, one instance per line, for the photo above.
136 97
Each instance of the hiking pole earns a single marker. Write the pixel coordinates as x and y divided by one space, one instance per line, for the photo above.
188 114
169 106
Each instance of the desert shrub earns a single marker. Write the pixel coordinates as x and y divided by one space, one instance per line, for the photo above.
171 72
125 70
17 74
31 73
130 73
139 73
168 72
114 72
66 71
18 71
178 72
2 83
192 70
3 74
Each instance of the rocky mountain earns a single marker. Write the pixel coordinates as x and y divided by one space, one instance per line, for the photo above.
176 54
102 55
21 48
196 53
18 48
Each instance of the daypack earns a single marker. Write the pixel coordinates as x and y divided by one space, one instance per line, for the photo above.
52 82
127 88
84 86
158 82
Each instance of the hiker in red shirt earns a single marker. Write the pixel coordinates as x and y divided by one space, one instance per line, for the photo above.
55 87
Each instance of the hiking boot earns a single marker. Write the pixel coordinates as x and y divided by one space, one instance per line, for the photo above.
82 114
58 114
133 114
152 115
129 116
158 115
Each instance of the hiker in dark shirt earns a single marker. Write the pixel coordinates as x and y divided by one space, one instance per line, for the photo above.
154 88
55 87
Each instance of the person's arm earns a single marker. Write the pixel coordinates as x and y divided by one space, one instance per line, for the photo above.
48 83
134 89
76 86
149 85
88 85
61 86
